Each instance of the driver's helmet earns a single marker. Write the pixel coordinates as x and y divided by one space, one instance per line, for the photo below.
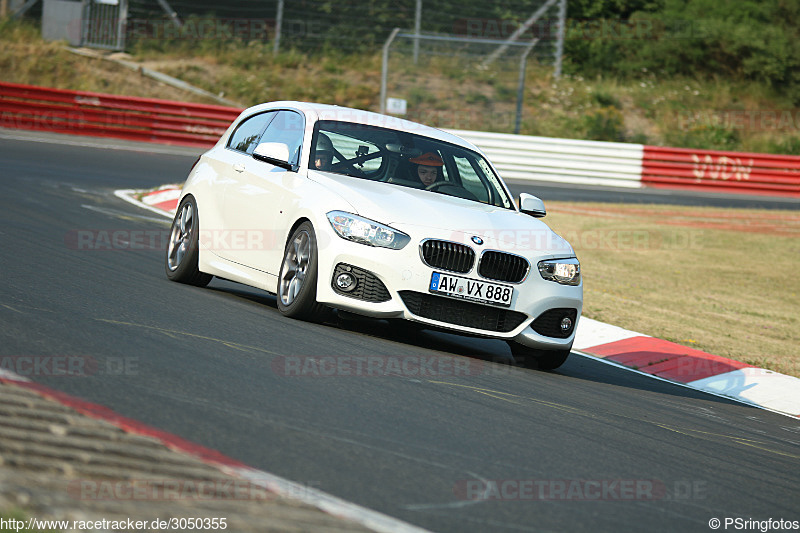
429 159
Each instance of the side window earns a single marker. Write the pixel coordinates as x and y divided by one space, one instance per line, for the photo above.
351 148
470 179
245 137
288 128
483 168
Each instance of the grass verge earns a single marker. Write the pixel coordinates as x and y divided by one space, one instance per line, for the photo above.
718 280
25 58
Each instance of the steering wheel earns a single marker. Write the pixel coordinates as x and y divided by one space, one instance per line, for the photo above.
436 185
456 190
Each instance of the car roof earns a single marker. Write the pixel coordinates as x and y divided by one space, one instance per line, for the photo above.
346 114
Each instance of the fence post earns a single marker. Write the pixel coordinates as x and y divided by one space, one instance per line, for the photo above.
417 26
278 25
521 86
562 22
385 67
122 24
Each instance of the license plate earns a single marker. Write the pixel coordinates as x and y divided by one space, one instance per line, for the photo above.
470 289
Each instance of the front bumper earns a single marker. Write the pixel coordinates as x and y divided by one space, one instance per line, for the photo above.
406 279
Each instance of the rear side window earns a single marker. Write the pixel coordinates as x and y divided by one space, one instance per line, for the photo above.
245 137
288 128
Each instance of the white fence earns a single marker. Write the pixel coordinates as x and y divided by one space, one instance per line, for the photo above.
524 157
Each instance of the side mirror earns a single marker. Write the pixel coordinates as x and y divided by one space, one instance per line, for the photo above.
274 153
531 205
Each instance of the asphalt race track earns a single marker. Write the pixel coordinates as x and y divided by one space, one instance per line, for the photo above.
589 447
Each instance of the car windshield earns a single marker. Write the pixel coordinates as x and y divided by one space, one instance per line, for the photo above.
406 160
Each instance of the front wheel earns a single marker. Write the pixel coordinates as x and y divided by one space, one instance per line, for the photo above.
536 358
181 259
297 281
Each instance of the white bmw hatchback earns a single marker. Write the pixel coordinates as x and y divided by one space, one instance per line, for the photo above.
330 207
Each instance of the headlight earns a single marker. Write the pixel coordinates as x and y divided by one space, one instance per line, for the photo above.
563 271
359 229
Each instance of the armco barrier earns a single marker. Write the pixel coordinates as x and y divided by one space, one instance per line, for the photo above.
88 113
721 171
525 157
517 157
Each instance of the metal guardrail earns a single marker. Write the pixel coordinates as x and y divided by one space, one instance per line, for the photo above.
517 157
524 157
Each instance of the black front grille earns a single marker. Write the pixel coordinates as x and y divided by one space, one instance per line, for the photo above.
368 287
503 267
461 313
448 256
549 322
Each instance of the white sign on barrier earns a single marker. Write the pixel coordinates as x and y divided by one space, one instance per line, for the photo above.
396 106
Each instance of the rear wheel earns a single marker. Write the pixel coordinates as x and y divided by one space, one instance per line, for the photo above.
181 258
536 358
297 281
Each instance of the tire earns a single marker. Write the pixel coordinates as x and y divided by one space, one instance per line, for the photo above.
538 359
297 281
180 261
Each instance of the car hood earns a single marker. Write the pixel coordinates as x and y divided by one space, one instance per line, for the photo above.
424 214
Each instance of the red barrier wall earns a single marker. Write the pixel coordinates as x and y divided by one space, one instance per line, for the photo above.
714 170
168 122
123 117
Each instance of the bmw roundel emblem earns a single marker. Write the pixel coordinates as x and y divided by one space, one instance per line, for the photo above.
477 240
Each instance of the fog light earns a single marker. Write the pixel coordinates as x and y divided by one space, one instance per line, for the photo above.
566 324
346 282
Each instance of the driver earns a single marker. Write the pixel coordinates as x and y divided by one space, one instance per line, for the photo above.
429 167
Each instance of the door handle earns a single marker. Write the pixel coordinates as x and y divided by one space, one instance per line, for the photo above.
238 167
